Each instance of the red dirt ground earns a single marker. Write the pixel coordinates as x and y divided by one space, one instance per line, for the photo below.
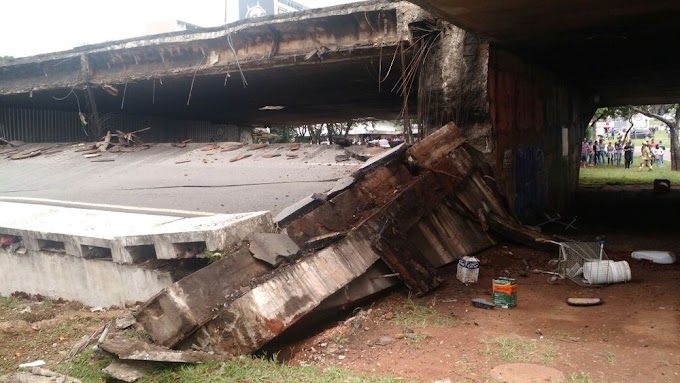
632 337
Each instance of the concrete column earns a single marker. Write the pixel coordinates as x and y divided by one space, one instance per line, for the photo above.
453 86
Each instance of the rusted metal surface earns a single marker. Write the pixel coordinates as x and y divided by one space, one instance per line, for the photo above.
530 107
35 125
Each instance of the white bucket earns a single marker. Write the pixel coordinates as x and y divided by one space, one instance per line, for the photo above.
619 272
599 272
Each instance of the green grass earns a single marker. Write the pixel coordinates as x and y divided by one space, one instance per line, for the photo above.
8 302
582 377
611 358
414 314
87 367
510 349
612 175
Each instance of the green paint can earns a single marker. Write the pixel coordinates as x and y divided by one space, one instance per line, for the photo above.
505 292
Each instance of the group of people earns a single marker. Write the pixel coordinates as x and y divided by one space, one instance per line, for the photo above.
597 153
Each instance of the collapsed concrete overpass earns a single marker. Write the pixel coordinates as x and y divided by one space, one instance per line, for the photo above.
520 79
318 65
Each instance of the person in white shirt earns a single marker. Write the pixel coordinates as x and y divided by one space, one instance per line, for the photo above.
658 153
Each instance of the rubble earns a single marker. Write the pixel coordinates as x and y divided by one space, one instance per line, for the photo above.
131 349
128 370
413 209
273 248
37 375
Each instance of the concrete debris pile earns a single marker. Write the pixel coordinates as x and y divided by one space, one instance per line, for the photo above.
118 142
403 214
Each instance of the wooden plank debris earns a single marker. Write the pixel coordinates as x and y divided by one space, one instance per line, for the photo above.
258 147
238 158
181 144
210 147
271 155
231 148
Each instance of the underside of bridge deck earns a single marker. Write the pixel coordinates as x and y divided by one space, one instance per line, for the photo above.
617 50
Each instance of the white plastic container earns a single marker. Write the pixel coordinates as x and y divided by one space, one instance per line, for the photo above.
660 257
468 270
600 272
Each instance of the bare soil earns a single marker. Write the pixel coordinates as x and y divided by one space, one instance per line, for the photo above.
632 337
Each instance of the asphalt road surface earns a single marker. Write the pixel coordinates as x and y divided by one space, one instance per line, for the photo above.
159 177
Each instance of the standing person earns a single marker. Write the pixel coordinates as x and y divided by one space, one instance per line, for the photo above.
596 152
603 149
584 153
646 158
610 154
618 152
628 150
659 154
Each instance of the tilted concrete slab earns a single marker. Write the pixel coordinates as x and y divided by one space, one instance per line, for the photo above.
180 309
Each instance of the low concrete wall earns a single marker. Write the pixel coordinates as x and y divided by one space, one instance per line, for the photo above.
92 282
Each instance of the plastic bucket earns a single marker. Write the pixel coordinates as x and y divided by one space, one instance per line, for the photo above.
596 272
619 272
600 272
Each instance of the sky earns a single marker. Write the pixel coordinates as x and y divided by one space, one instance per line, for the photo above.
30 27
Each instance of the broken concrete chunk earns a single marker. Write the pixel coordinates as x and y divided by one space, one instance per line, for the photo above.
273 248
340 185
321 241
38 375
128 370
342 157
125 321
297 210
133 349
180 309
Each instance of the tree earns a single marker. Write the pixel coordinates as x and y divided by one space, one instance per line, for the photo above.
652 111
657 112
6 59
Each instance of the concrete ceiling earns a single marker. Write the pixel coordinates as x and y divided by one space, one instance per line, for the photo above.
620 50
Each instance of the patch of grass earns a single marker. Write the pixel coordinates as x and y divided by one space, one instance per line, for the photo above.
412 339
548 357
611 358
8 302
86 366
582 377
247 370
413 314
612 175
137 333
511 349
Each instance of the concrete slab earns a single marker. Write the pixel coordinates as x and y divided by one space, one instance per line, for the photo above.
120 235
383 158
93 282
186 237
132 349
180 309
273 248
340 185
297 210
